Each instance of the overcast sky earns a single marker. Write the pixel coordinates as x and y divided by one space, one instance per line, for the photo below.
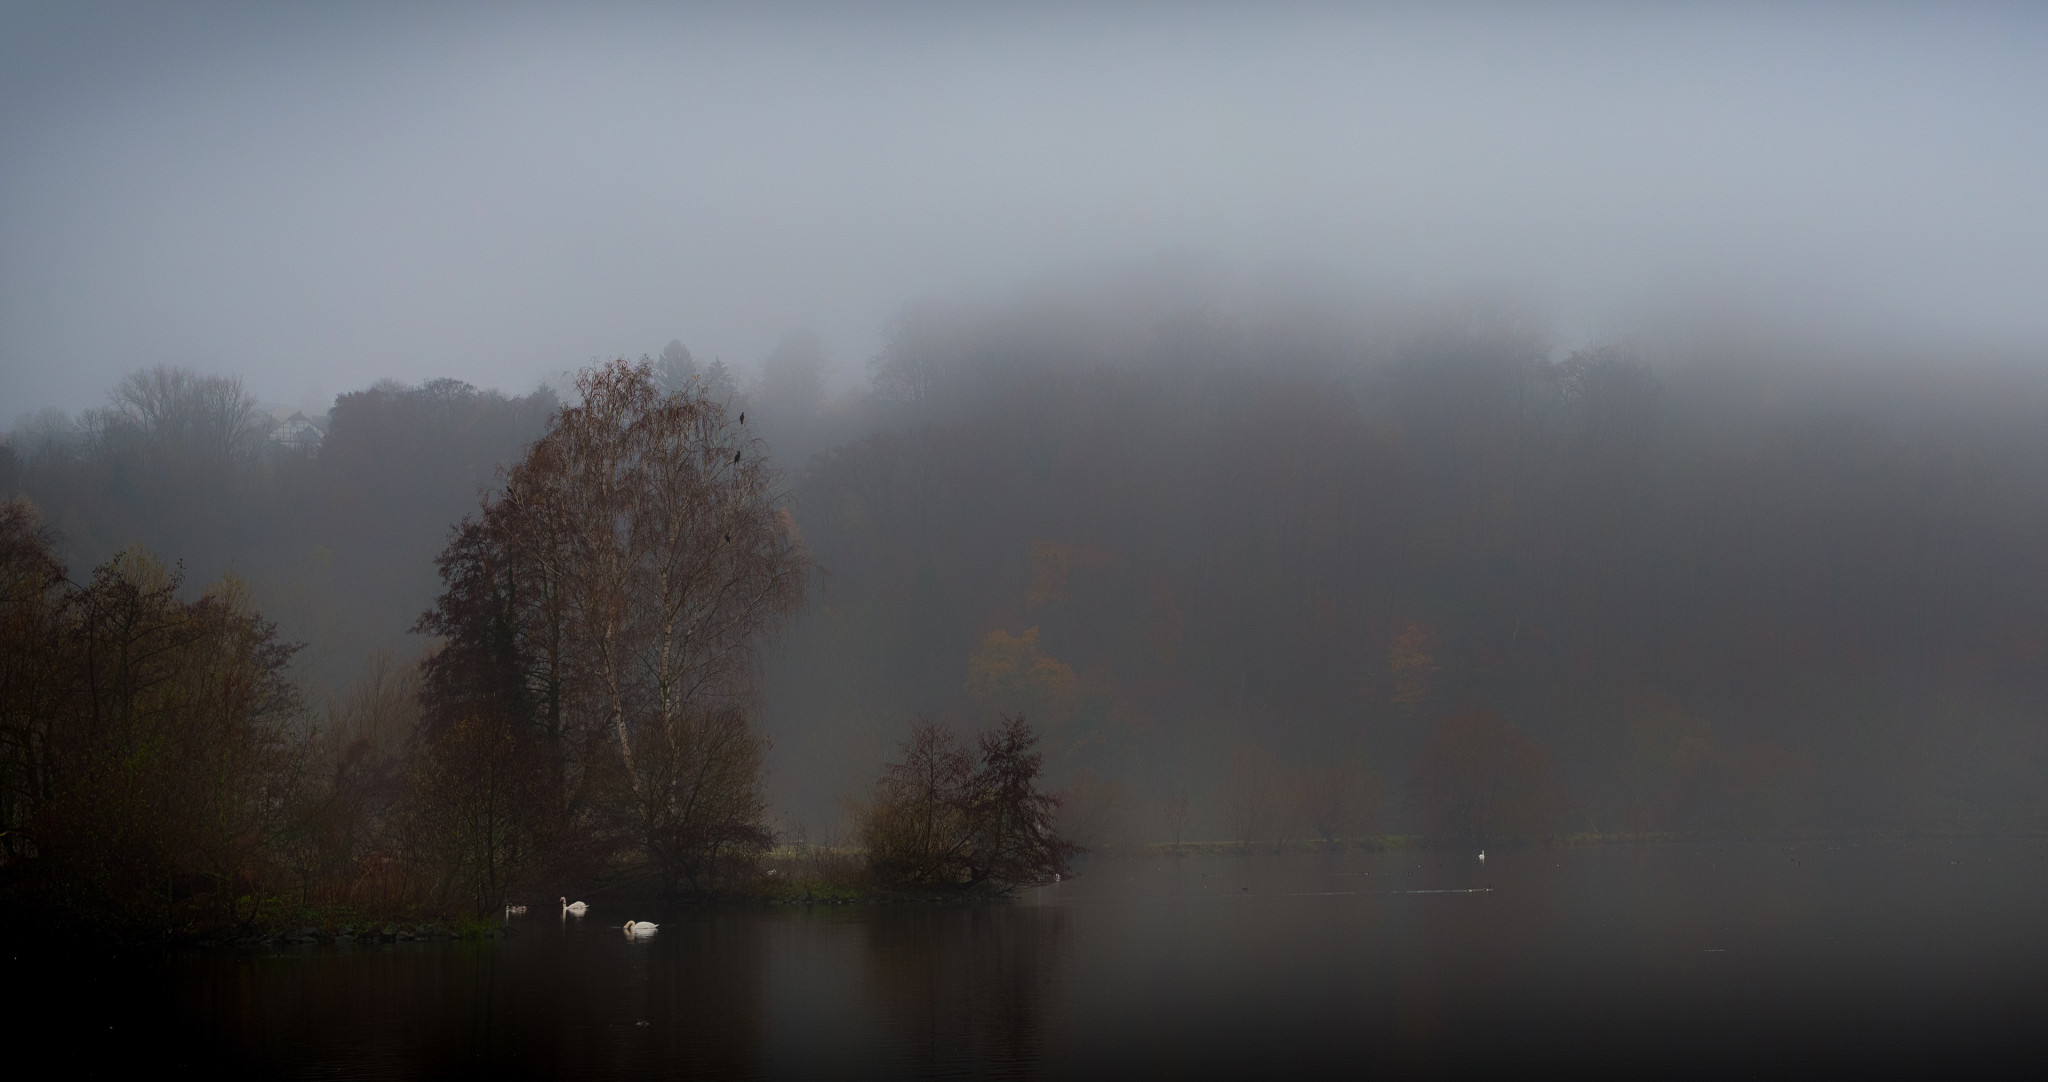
315 199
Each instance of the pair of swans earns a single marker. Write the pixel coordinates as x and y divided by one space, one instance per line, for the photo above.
632 927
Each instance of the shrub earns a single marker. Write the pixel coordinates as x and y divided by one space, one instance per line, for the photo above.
939 820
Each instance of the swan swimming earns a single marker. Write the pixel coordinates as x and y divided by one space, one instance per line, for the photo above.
1482 855
573 907
641 927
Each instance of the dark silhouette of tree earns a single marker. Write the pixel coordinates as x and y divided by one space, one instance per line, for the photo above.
916 828
1014 842
939 819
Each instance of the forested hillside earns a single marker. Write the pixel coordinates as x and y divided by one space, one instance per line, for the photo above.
1221 563
1263 569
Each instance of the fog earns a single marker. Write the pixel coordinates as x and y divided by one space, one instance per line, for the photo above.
1203 476
318 199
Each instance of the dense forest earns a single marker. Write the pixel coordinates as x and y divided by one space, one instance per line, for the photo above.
1223 558
1256 569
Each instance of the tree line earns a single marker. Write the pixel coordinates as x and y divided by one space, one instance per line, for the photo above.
585 716
1253 573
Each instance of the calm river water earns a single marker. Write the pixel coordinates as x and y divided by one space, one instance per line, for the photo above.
1683 958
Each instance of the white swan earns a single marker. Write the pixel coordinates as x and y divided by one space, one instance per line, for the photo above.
640 927
1482 854
573 907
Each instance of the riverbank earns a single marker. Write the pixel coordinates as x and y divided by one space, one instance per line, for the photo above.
832 875
473 930
786 877
822 875
30 919
1373 843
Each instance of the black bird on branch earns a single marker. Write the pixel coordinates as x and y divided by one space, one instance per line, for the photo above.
735 458
743 416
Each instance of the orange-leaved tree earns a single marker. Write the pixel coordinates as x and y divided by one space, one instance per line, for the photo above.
611 598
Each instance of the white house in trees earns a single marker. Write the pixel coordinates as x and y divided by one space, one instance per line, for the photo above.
298 433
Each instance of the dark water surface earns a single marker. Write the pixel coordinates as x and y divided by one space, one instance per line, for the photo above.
1683 958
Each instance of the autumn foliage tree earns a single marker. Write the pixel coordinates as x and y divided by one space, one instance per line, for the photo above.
346 842
1479 778
144 741
606 604
480 783
940 819
32 686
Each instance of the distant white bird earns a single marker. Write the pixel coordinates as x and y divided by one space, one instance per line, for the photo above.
1482 854
573 907
641 927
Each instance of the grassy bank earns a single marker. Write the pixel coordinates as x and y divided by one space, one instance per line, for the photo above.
814 875
1374 843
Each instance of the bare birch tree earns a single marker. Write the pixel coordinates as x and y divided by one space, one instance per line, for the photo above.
646 556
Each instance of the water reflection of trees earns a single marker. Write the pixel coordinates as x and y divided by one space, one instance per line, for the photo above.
966 989
701 990
568 1008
